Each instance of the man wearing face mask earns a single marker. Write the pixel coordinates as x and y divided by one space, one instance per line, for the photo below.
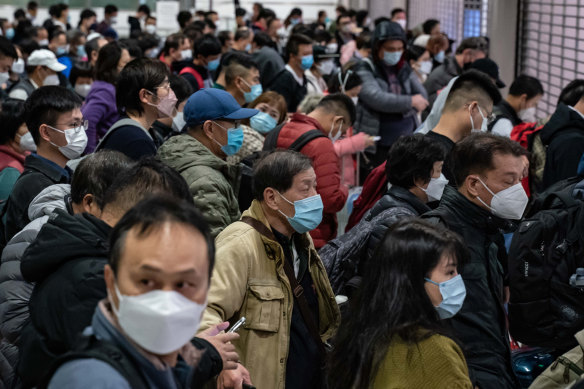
110 19
53 117
269 272
291 82
213 133
177 48
8 56
332 116
519 106
391 95
488 170
42 68
242 80
206 58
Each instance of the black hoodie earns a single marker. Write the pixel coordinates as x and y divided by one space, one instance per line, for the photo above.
564 137
66 262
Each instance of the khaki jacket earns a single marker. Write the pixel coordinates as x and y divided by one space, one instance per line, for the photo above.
249 280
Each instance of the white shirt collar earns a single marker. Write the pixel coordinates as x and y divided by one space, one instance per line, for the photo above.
299 80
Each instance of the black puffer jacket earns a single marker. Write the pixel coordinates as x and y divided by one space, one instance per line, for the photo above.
66 262
397 204
480 325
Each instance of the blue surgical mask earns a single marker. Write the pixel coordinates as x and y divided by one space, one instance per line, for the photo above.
213 65
391 58
262 122
248 47
254 93
453 293
62 50
327 20
10 33
307 62
234 140
295 21
307 213
81 51
440 56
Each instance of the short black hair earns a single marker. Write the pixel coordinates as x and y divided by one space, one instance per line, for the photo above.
7 48
266 13
339 104
527 85
56 32
86 14
413 52
106 66
295 41
110 9
91 46
11 117
144 9
361 16
209 23
262 39
19 14
395 11
149 215
28 45
206 46
131 44
80 69
238 65
173 41
96 173
429 25
240 11
472 85
380 20
183 18
242 33
412 158
277 170
181 87
146 42
475 43
364 40
44 106
349 77
142 73
32 5
572 93
474 154
224 36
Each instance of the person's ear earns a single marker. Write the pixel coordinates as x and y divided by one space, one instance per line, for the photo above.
44 132
208 129
523 99
270 198
145 96
472 185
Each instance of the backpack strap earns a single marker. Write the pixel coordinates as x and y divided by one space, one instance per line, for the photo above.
271 141
120 123
194 73
104 351
297 289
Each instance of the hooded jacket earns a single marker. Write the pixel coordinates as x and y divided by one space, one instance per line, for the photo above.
69 284
14 290
212 181
564 137
480 325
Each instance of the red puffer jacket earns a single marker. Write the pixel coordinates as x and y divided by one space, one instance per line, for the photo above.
328 173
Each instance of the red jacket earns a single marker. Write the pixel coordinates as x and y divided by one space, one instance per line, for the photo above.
10 158
328 175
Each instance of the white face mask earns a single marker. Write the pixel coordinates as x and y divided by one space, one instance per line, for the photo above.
326 67
83 89
435 188
151 29
51 79
528 115
484 124
178 122
509 203
114 20
335 137
76 141
159 321
27 142
186 54
43 42
18 66
355 100
332 48
403 23
425 67
4 77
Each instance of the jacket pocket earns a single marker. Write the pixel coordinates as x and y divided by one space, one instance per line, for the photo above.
264 305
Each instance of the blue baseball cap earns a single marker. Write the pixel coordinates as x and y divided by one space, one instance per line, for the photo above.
214 104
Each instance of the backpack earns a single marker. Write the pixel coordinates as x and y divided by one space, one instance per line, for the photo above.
546 250
194 73
245 195
91 347
120 123
527 135
374 188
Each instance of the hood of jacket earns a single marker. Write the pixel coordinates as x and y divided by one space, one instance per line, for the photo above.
103 92
50 198
564 118
182 152
64 238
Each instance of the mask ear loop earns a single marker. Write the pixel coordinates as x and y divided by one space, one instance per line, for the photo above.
344 83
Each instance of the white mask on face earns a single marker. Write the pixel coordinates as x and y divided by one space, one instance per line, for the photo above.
426 67
186 54
151 29
355 100
27 142
82 89
159 321
403 23
18 66
528 115
43 42
332 48
435 188
51 79
335 137
326 67
509 203
484 124
178 122
76 142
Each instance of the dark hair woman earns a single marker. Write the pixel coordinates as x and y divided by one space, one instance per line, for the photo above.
393 337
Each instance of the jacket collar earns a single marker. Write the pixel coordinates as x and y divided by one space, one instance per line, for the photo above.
451 66
302 118
50 169
408 197
12 155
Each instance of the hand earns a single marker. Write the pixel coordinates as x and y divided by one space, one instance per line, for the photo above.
419 103
233 379
369 141
222 343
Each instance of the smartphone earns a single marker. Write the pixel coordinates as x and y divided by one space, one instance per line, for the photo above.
237 325
376 138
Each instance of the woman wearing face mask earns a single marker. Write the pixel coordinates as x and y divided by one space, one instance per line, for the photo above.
165 127
391 95
420 61
272 107
349 83
81 79
100 104
15 144
143 94
414 172
322 67
394 337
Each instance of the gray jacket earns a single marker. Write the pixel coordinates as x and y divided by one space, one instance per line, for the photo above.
14 290
441 76
375 99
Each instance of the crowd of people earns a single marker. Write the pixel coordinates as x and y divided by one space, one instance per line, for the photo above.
168 205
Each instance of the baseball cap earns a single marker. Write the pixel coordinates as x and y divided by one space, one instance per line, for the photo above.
44 57
490 68
214 104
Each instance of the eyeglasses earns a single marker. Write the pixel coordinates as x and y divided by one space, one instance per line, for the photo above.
236 124
76 126
165 86
490 116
